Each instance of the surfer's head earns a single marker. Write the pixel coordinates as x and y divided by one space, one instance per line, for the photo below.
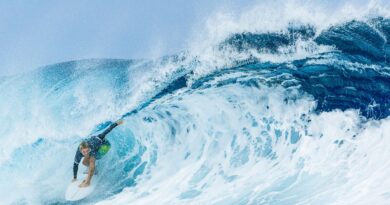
84 148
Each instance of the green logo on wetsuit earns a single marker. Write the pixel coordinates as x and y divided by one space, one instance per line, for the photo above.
103 150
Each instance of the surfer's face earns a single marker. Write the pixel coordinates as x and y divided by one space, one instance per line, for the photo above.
85 151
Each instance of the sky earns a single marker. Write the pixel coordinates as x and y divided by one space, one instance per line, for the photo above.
35 33
38 33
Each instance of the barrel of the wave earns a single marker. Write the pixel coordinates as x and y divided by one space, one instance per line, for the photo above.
90 149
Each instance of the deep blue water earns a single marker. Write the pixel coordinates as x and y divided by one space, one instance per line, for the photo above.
174 118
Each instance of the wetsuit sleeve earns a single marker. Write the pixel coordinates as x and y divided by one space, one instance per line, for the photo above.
77 159
103 134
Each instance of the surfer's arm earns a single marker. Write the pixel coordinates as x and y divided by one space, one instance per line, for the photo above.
91 169
77 159
103 134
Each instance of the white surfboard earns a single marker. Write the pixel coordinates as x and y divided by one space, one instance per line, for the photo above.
75 193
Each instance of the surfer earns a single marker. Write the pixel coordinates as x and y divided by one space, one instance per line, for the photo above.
92 149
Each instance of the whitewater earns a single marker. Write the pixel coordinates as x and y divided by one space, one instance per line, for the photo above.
264 108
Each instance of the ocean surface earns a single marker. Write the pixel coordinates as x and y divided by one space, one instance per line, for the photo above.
296 115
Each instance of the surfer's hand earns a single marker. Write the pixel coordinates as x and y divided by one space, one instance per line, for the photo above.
119 122
84 184
74 179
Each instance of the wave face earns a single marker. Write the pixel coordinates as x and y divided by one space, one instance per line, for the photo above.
308 129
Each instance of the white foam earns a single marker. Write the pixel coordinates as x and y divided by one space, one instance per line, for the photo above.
327 165
274 16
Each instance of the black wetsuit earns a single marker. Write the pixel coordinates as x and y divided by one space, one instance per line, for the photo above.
94 143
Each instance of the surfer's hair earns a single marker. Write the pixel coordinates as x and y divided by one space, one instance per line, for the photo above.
84 145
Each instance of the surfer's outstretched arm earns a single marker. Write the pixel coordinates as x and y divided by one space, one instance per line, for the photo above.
103 134
77 159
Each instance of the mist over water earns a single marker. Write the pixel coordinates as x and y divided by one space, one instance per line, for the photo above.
295 114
